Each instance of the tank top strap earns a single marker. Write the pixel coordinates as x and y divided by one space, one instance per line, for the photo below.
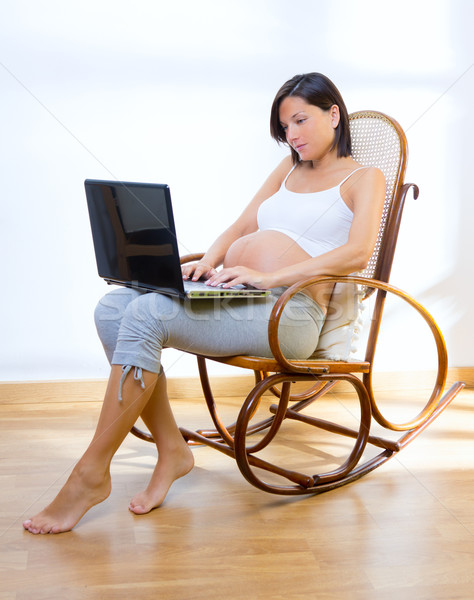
350 174
289 173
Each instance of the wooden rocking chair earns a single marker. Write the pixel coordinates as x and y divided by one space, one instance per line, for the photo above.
379 141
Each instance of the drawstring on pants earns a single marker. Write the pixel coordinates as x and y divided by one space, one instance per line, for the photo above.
138 376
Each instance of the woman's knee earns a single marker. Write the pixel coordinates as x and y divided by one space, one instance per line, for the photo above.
108 315
148 312
144 331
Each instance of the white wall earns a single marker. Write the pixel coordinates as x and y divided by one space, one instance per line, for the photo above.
179 92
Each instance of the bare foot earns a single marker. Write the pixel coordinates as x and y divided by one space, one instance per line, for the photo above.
167 470
80 493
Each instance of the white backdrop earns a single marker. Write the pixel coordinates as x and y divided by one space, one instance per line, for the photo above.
179 93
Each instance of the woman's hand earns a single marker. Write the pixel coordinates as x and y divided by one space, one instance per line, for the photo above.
197 270
231 276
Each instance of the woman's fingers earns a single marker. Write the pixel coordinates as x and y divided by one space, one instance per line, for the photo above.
227 277
197 270
237 275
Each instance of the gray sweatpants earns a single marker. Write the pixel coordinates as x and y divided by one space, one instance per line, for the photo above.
134 327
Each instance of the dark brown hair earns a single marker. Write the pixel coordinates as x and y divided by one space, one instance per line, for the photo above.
319 90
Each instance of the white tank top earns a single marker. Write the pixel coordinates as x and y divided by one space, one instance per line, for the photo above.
317 221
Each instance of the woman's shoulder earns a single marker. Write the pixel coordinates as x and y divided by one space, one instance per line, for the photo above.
364 183
283 168
368 169
371 175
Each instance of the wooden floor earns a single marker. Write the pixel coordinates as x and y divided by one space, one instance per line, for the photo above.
404 531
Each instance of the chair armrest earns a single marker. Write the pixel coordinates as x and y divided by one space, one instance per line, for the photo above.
191 257
363 281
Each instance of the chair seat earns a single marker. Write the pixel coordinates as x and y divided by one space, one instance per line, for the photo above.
270 365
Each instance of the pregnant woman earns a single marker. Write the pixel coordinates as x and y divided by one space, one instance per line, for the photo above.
318 213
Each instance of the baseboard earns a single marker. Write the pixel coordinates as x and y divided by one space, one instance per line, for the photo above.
32 392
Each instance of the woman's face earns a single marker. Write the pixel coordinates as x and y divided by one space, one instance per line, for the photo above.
309 129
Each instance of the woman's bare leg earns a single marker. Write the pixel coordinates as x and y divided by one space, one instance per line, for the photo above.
175 459
89 482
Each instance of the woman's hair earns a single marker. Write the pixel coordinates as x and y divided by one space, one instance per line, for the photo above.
320 91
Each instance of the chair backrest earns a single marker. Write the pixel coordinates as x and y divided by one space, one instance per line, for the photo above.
379 141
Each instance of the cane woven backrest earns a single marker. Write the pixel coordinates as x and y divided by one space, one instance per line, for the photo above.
378 141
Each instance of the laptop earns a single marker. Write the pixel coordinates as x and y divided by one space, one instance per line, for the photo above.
135 241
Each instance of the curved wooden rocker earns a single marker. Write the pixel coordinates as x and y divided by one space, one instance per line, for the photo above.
377 141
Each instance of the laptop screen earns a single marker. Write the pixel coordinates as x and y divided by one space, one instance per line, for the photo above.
134 234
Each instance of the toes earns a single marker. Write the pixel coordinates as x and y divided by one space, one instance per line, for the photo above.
28 525
36 529
56 530
45 530
137 509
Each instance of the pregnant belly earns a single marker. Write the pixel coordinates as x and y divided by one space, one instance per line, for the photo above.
265 251
269 251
